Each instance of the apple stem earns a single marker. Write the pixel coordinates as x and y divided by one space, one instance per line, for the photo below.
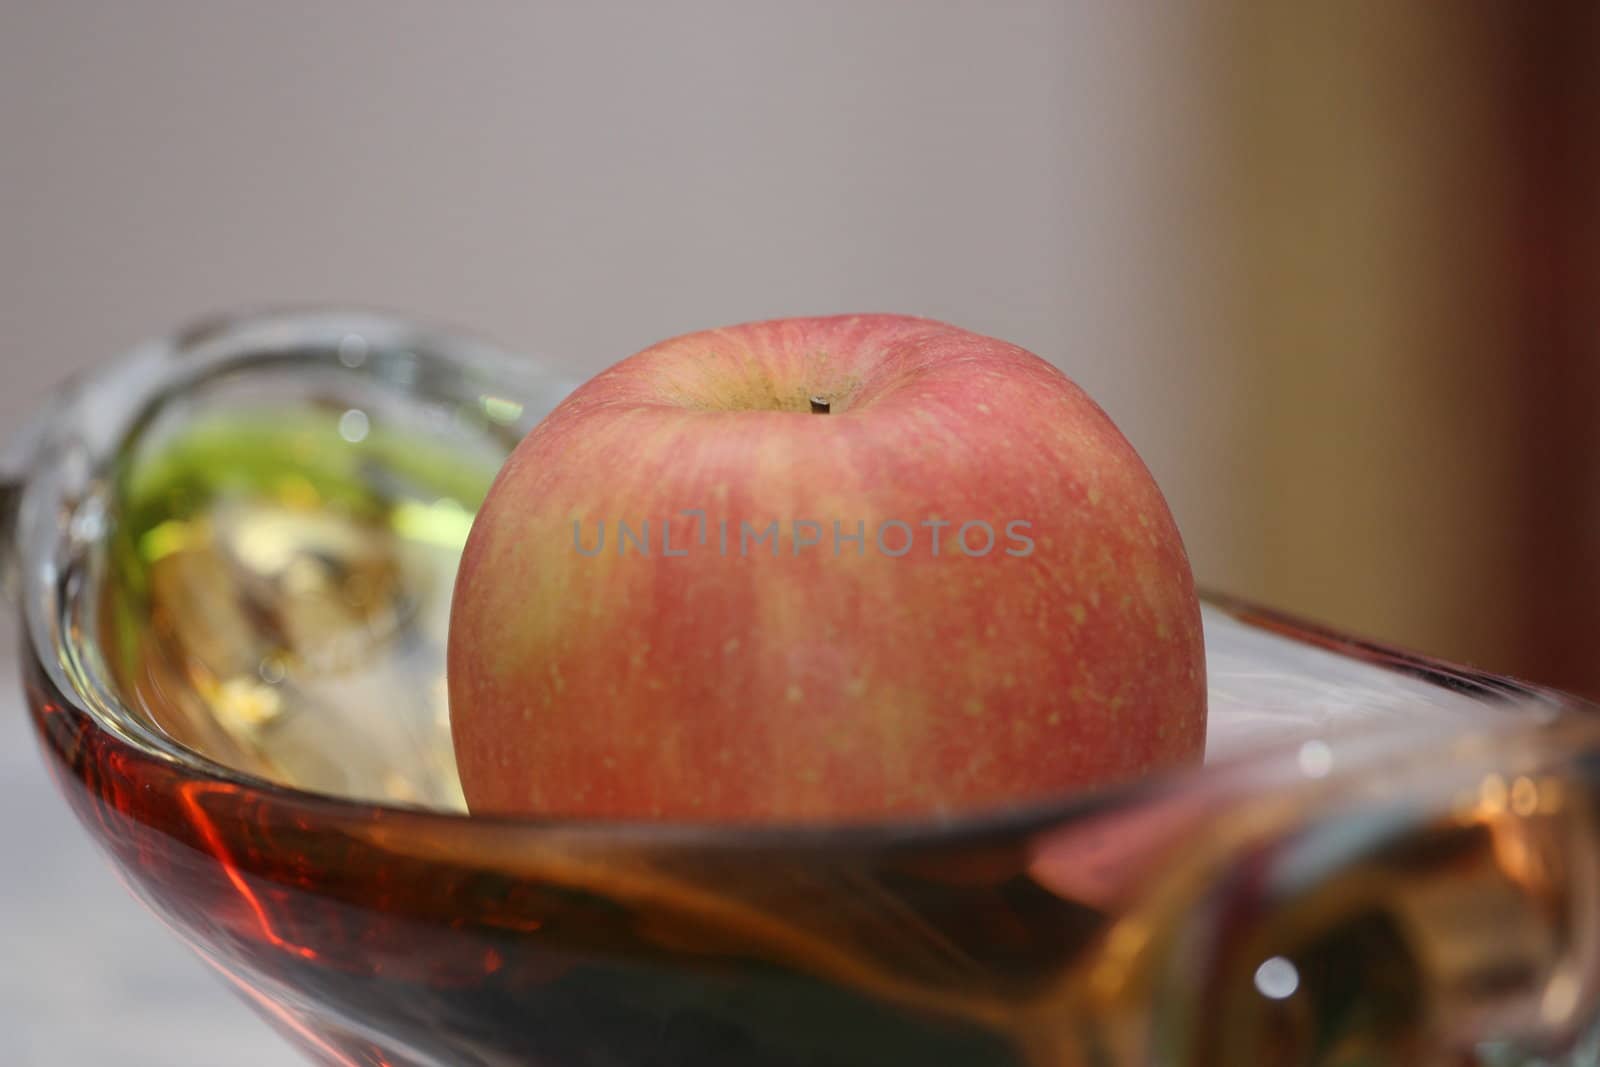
820 405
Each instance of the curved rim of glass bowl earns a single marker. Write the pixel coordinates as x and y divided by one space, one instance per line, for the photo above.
48 482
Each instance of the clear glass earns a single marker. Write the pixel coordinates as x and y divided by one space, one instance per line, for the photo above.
232 554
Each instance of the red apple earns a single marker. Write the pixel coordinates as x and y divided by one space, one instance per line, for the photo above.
821 569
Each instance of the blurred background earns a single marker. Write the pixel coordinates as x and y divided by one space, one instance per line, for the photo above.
1333 269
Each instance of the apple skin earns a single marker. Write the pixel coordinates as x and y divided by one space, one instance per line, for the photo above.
824 683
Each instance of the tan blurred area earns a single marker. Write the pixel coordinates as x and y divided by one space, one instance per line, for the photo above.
1331 267
1416 191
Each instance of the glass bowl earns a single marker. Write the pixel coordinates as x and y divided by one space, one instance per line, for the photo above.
232 554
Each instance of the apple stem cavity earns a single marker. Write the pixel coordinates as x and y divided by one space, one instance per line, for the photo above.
820 405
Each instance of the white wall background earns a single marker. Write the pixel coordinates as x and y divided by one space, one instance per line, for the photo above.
579 180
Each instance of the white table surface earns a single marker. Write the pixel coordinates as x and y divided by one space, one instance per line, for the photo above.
87 976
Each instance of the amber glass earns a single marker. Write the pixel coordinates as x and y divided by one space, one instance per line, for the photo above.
232 552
